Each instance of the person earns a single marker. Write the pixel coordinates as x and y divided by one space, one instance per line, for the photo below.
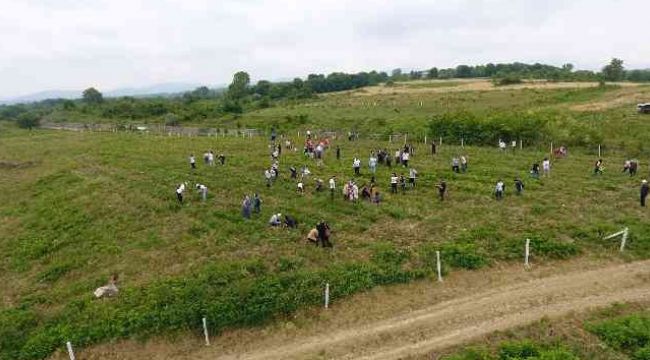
192 161
502 145
513 145
598 167
499 189
279 149
365 193
372 163
389 161
109 290
398 157
546 167
463 164
273 134
206 158
211 158
305 171
634 166
275 220
246 207
257 203
332 184
301 187
268 176
222 159
294 172
405 158
319 185
203 190
402 183
377 198
442 189
393 183
312 236
354 193
324 233
644 191
338 153
630 167
455 165
309 134
356 164
433 147
534 171
412 176
179 192
290 222
519 186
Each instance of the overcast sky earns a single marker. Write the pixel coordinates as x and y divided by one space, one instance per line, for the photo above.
73 44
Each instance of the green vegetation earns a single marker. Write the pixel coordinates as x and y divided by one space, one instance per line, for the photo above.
628 334
76 207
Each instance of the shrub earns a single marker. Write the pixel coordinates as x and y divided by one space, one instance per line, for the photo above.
28 120
508 79
630 334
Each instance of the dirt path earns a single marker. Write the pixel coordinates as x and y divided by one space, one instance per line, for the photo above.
414 319
459 320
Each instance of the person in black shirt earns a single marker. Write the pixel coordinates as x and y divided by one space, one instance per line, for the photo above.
519 186
442 189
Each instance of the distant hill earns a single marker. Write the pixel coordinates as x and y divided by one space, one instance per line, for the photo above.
158 89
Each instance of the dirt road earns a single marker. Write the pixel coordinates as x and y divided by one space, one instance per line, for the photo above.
386 325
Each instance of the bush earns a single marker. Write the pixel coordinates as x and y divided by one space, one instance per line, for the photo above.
629 334
509 79
171 119
28 120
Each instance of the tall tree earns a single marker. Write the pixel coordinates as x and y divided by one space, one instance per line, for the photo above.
432 73
239 86
92 96
614 71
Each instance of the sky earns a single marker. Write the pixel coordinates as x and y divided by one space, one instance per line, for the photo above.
74 44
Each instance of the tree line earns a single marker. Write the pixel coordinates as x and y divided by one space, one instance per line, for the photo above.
241 95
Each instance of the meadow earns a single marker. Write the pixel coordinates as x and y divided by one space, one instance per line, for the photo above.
78 206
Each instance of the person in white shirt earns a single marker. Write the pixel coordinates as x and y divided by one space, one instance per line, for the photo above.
412 176
502 145
356 164
268 176
275 220
211 158
206 157
372 163
192 161
203 190
301 187
463 164
499 189
546 167
393 183
179 192
405 158
332 183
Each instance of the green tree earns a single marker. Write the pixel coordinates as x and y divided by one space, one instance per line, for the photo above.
432 73
238 89
92 96
28 120
614 71
463 71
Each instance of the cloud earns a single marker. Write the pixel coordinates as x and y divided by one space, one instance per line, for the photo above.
72 44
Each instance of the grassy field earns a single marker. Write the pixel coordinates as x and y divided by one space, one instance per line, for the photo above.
76 207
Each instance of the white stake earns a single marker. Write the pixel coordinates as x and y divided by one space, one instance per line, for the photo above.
390 138
623 232
551 148
526 264
205 332
598 150
521 144
425 139
327 295
70 351
440 141
438 266
405 136
462 142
